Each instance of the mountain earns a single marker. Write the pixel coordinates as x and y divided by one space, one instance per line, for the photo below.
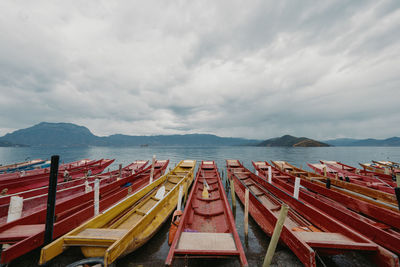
393 141
292 141
68 134
50 134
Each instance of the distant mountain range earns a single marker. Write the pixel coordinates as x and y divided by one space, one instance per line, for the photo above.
393 141
292 141
69 135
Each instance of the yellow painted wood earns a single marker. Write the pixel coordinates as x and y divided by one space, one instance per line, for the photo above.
129 224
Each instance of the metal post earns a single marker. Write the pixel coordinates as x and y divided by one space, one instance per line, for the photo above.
275 235
246 213
328 183
397 190
51 200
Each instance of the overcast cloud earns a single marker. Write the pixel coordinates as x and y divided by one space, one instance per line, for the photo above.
255 69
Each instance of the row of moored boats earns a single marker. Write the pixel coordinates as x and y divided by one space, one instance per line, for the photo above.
336 209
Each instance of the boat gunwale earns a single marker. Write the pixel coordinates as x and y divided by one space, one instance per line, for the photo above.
227 214
383 236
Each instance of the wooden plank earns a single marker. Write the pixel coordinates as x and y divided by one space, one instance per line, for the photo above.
21 231
206 241
102 233
333 240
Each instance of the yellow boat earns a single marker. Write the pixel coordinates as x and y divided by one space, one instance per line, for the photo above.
129 224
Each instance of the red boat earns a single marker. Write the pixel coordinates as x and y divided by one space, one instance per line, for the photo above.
366 194
306 230
207 227
62 167
27 233
126 171
381 167
378 232
23 183
354 170
354 201
39 201
333 171
20 165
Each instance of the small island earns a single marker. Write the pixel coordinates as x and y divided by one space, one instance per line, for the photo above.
292 141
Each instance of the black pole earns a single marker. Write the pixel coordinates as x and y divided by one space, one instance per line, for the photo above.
328 183
397 192
51 200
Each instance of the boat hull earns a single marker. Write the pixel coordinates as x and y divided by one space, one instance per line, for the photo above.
128 224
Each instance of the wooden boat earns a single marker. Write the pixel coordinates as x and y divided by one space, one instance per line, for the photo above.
129 224
24 183
27 233
333 171
375 168
306 230
207 227
62 167
376 231
372 196
71 190
110 175
388 166
20 165
358 171
384 212
363 174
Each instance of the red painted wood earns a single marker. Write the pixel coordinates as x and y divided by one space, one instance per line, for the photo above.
65 224
376 232
354 241
20 184
363 180
38 202
212 215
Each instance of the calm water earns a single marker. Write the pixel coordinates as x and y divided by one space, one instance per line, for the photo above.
156 250
297 156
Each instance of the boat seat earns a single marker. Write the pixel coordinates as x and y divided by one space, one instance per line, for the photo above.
174 180
233 163
333 240
208 213
242 176
95 236
206 241
256 191
209 199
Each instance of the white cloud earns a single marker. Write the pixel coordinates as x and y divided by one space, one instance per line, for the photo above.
259 70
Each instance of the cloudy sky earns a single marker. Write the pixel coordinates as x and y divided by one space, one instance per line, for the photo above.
255 69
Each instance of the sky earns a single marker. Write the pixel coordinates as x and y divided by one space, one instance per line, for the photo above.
252 69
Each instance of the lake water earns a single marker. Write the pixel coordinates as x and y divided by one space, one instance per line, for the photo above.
125 155
156 250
